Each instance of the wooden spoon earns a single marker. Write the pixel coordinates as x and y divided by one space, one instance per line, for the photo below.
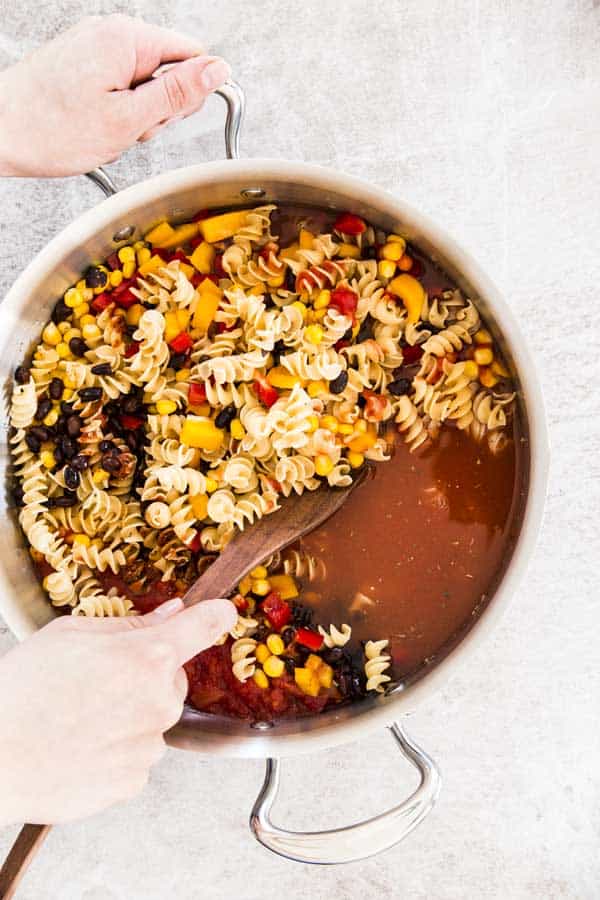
296 517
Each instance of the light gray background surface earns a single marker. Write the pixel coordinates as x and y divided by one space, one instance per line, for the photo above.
486 115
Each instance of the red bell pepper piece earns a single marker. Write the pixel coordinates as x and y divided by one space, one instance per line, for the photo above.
125 299
308 638
113 262
266 393
181 343
344 300
201 214
218 266
130 423
276 610
197 393
412 354
240 602
417 269
132 349
348 223
340 345
195 545
100 302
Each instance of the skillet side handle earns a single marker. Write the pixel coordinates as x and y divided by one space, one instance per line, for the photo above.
353 842
235 99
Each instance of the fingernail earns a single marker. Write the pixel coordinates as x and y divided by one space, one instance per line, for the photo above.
215 74
169 608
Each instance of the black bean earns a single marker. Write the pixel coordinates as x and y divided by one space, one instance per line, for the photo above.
102 369
74 425
32 442
130 405
301 615
399 387
114 424
67 500
333 656
177 361
337 385
78 346
131 440
365 331
56 388
111 463
71 477
226 416
288 634
61 424
289 664
80 462
90 393
356 684
361 401
68 447
106 446
290 280
61 312
41 433
260 633
43 408
95 277
347 335
278 349
21 375
58 455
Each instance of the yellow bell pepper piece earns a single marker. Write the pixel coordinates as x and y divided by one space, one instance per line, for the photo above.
313 662
307 681
200 432
152 265
284 585
180 235
348 251
161 232
209 297
217 228
203 258
188 271
183 318
305 239
412 294
172 326
280 378
199 504
289 251
245 585
325 675
363 442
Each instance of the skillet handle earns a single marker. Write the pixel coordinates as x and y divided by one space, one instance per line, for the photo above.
353 842
235 99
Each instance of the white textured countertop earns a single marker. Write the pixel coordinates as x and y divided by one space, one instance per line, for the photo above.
487 117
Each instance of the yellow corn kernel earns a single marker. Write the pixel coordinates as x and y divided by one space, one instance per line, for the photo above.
307 681
487 377
395 237
165 407
348 251
245 585
81 310
82 539
67 395
260 679
316 388
302 307
128 269
199 504
471 369
305 239
87 319
51 335
63 350
330 423
63 327
393 251
280 378
143 254
323 464
498 368
314 334
211 485
200 432
134 314
218 228
386 268
262 653
90 332
137 245
71 333
313 424
412 294
183 374
260 587
259 572
273 666
355 459
325 675
100 476
47 456
203 258
483 356
345 428
52 418
237 430
126 254
361 425
68 382
482 336
275 645
323 299
285 587
73 298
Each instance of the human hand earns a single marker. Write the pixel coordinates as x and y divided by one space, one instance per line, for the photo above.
85 703
83 98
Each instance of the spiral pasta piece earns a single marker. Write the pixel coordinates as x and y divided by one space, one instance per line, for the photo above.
376 665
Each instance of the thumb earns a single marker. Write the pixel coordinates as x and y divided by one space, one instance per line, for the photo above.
193 629
180 91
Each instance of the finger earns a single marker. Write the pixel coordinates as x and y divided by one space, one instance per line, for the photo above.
152 132
181 684
179 92
155 45
121 623
193 630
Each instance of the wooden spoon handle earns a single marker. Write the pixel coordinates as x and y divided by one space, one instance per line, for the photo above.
27 844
